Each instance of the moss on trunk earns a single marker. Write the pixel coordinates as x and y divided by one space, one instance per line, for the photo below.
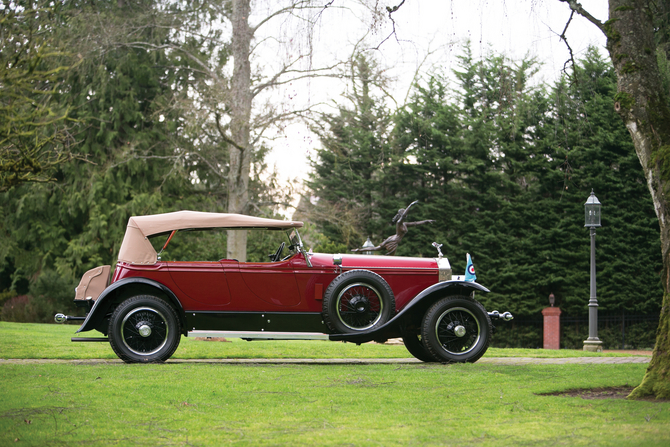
643 106
656 381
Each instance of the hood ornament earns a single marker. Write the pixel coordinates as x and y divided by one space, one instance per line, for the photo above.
390 244
438 246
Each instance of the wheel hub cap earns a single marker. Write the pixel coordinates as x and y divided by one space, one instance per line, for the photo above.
359 304
144 330
459 331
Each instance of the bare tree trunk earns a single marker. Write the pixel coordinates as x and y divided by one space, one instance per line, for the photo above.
642 105
240 115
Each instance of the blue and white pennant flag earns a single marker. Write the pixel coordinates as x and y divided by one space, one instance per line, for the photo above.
470 270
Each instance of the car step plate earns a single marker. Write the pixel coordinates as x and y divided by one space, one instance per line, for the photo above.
260 335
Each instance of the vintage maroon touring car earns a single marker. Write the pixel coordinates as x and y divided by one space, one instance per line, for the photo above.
150 303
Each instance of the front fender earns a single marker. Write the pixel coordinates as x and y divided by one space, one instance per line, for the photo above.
107 297
392 327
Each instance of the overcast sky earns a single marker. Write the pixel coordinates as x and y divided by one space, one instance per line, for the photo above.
512 27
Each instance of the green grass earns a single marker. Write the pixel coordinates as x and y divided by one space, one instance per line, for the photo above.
334 405
51 341
361 405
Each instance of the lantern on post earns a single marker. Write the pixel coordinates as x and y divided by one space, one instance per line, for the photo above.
592 221
367 246
592 211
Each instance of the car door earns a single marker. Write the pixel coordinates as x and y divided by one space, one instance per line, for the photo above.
204 282
254 285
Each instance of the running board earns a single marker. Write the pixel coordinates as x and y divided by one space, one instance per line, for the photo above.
260 335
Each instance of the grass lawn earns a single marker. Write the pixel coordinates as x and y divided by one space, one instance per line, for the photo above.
213 405
278 404
51 341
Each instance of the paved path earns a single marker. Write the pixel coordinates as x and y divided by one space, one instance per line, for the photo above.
563 361
486 360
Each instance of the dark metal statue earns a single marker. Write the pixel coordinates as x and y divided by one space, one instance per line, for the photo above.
390 244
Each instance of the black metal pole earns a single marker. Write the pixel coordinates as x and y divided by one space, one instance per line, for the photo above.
593 343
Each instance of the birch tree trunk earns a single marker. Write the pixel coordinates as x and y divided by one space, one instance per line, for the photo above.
240 115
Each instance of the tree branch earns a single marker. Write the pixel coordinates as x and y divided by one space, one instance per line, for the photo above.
390 11
225 137
298 5
564 38
579 9
147 45
311 73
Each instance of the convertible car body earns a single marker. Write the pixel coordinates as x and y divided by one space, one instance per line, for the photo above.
148 304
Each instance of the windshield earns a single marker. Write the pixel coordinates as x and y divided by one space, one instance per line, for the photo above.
296 245
294 238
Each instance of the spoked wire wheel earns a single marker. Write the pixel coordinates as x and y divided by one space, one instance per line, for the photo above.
144 329
456 329
357 300
359 306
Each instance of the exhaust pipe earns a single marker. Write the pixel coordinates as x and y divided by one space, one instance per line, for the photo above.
61 318
501 316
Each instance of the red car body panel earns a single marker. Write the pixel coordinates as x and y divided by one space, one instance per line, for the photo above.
285 286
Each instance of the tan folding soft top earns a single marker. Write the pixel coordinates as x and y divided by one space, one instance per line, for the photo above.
136 248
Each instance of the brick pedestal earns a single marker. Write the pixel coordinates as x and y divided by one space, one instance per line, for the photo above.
552 327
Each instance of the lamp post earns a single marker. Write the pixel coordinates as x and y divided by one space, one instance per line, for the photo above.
592 221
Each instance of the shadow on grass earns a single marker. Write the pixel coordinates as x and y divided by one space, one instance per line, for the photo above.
613 392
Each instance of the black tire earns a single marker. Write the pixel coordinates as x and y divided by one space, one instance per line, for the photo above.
416 348
456 329
357 300
144 329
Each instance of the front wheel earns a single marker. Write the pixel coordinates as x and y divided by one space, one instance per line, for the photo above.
456 329
144 329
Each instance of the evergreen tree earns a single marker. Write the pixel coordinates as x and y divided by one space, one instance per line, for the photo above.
130 102
464 151
504 167
354 150
131 167
34 129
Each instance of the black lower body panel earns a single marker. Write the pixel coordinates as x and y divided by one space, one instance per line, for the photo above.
255 321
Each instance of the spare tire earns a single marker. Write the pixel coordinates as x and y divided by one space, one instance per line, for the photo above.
357 300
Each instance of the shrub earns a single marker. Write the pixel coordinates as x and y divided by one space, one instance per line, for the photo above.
49 294
6 295
17 309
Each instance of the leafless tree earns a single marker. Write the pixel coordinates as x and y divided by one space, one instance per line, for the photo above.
237 51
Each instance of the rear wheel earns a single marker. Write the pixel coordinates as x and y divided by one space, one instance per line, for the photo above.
456 329
144 329
416 348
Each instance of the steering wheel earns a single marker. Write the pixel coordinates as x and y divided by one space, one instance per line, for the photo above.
277 255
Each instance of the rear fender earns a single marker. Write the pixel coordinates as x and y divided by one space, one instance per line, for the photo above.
412 313
125 288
